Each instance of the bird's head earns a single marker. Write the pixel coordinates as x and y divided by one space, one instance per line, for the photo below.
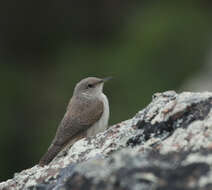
91 86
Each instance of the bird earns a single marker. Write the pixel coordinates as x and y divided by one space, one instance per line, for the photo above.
86 115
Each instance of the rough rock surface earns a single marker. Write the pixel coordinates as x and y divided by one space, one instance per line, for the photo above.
166 146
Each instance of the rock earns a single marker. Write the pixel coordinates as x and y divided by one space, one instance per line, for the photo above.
166 146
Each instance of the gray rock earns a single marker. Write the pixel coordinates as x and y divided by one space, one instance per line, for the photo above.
167 145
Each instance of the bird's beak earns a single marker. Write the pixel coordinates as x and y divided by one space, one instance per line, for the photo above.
106 79
103 80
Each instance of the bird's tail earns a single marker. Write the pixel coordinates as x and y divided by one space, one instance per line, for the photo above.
50 154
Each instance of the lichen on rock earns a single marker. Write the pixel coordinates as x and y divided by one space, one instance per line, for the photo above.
167 145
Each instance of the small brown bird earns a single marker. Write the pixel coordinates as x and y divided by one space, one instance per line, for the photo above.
87 114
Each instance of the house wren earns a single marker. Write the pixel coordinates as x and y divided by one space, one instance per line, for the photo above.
86 115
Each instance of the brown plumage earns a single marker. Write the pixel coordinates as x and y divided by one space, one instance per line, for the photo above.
82 113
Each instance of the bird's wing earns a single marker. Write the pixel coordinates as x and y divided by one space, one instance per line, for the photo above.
80 116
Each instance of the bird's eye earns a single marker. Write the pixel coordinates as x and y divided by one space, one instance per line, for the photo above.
90 86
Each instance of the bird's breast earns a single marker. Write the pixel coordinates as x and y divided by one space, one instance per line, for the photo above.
102 123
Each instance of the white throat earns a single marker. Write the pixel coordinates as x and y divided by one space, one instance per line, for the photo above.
86 95
102 123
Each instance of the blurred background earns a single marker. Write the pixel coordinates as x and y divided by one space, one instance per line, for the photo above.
46 47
